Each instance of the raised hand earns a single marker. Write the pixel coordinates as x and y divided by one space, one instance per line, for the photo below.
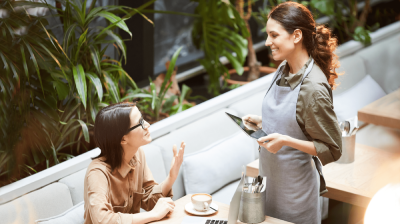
177 160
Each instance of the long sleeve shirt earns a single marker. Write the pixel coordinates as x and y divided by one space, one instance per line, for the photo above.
114 196
314 111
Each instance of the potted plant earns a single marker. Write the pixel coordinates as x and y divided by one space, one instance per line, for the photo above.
218 30
254 68
154 103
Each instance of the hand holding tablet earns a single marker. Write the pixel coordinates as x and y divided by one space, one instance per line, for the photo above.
250 128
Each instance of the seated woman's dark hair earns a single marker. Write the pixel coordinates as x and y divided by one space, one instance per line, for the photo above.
111 124
317 40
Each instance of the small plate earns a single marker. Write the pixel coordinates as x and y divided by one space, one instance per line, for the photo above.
189 208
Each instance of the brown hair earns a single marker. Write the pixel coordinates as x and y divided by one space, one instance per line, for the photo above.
317 40
111 124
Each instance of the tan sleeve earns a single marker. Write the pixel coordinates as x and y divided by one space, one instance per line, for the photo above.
321 124
153 191
101 211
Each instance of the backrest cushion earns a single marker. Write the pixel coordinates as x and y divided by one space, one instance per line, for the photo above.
75 185
347 104
46 202
354 70
250 105
155 162
73 215
197 136
382 62
210 169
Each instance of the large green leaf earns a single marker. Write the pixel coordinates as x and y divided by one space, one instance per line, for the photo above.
113 18
85 130
81 41
94 53
80 82
97 83
235 63
112 87
326 7
170 70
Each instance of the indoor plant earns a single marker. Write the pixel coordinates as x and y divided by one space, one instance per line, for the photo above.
254 68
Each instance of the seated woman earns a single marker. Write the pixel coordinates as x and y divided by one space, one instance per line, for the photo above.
118 182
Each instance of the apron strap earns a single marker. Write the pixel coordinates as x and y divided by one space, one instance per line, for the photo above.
322 184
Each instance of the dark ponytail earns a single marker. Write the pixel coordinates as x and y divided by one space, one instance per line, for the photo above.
317 40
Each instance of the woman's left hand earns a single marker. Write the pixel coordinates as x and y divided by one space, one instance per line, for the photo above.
275 142
176 161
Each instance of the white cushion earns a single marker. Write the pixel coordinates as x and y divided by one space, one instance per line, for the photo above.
225 194
217 165
75 185
46 202
354 71
347 104
382 62
197 136
250 105
73 215
155 162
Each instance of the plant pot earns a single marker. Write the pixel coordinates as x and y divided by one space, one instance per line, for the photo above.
242 79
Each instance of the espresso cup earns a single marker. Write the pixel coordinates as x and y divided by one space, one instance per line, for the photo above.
201 202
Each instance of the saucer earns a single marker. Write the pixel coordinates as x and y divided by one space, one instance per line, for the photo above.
189 208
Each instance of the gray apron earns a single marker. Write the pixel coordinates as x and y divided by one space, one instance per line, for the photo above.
292 192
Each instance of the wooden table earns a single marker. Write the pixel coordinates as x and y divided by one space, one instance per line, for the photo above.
385 111
179 213
355 183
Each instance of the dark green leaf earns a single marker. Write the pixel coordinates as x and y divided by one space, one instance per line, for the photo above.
80 82
85 130
97 83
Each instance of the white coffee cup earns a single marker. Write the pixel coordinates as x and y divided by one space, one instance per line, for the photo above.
201 202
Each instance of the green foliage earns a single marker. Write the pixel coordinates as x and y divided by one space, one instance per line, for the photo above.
261 16
219 31
153 103
28 101
345 18
51 92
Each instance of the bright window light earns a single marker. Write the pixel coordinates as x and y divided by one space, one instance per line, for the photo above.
384 206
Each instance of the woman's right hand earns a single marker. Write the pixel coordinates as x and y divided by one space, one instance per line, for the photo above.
252 122
162 207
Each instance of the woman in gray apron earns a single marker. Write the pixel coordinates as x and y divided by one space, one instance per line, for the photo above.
297 114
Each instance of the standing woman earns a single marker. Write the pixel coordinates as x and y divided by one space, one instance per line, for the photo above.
297 114
118 182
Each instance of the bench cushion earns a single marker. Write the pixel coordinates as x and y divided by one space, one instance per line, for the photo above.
347 104
225 194
73 215
353 71
46 202
197 136
382 62
75 185
250 105
155 162
210 169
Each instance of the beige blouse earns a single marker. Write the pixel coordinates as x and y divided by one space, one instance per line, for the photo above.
113 196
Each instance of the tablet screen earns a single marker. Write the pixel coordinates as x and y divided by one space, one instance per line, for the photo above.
252 133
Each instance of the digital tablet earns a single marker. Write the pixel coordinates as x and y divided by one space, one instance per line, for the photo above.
252 133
